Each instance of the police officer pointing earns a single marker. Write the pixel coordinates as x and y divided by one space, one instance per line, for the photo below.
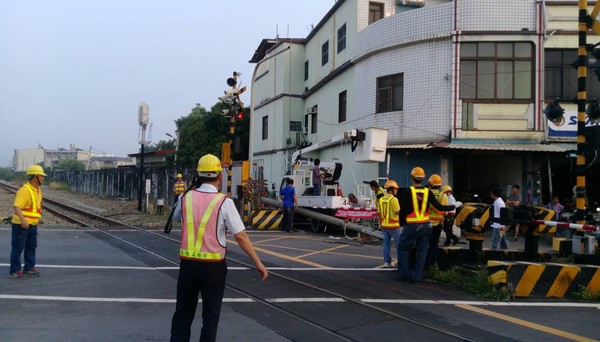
206 214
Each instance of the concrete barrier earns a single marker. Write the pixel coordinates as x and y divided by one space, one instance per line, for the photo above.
525 279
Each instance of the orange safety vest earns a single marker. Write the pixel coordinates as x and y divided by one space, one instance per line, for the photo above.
199 227
420 213
34 212
436 216
387 222
179 187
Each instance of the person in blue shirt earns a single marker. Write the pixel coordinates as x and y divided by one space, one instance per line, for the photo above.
288 195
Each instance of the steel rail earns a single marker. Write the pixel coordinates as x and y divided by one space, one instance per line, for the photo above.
236 288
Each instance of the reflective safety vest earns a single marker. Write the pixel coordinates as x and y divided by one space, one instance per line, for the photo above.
420 213
32 213
436 216
378 196
179 187
388 218
199 239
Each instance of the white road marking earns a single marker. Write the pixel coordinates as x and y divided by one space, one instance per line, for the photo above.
302 300
229 268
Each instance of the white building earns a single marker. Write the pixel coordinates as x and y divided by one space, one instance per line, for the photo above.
50 158
25 157
459 85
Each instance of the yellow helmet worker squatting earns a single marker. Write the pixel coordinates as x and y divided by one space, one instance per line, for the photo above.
209 166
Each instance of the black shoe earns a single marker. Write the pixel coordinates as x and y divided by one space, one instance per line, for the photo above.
447 243
454 240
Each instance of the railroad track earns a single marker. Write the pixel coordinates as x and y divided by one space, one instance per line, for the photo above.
110 228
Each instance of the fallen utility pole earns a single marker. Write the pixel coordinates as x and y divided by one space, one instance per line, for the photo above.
326 218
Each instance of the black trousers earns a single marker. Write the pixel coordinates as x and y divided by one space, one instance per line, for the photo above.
288 218
208 280
433 246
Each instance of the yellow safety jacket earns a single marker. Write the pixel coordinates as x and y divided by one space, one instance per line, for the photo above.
420 213
389 219
179 187
33 212
378 196
436 216
199 239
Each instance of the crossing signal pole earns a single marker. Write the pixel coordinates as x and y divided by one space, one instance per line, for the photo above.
586 22
235 112
555 113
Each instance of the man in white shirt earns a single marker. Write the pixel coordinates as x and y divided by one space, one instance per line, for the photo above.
498 230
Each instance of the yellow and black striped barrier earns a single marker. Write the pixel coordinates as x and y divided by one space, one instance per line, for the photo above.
266 219
544 279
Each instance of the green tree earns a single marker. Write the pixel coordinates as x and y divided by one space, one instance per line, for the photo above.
7 174
70 165
203 132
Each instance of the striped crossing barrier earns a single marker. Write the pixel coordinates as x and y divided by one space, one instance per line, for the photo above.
544 279
266 219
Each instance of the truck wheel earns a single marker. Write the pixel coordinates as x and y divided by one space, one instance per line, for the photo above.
317 226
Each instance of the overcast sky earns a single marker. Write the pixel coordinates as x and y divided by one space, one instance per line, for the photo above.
75 71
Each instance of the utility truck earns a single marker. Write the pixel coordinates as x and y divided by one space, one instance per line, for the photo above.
368 146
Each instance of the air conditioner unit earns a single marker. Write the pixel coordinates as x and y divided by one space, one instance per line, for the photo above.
311 110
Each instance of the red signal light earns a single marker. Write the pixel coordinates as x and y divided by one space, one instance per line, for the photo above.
239 114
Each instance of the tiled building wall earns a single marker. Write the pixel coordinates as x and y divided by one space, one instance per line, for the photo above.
493 15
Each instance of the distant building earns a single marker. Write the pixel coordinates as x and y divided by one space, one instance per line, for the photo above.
53 157
154 158
25 157
50 158
97 163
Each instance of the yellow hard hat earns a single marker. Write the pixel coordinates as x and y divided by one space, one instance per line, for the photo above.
179 175
446 188
209 166
391 184
435 180
35 170
418 173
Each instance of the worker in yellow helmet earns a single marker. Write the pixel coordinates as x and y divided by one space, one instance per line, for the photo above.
27 214
206 214
416 228
449 219
390 225
178 187
436 217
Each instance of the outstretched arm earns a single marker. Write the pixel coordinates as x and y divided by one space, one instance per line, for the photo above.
244 242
